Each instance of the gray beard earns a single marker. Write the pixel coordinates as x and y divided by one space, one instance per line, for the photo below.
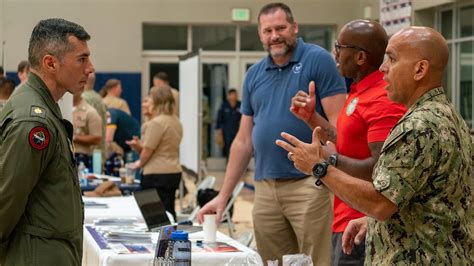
289 47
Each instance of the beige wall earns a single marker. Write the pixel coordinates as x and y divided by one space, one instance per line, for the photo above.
115 25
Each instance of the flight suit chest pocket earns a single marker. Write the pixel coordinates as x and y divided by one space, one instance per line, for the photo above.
65 165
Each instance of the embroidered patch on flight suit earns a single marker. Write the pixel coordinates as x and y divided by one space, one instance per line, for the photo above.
37 111
39 138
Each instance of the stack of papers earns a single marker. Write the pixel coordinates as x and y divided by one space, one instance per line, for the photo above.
115 222
93 204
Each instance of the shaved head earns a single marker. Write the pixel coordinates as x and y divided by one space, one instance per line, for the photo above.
424 43
416 60
368 35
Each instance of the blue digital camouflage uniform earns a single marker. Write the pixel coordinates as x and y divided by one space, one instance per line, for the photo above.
425 168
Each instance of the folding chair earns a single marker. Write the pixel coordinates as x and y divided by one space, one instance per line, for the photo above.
207 182
226 214
245 238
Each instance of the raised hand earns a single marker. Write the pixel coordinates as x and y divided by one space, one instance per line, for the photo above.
303 105
303 155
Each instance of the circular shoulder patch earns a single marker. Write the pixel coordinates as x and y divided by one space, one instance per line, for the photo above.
39 138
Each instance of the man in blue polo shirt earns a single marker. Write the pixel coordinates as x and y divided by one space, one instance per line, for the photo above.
291 214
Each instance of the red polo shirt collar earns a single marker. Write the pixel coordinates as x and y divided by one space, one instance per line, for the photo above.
367 82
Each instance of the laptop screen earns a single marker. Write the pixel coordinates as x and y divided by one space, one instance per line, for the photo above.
152 208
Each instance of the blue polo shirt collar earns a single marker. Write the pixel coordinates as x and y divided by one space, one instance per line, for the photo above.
295 58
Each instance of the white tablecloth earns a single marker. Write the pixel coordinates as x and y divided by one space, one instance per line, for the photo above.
118 207
126 207
94 255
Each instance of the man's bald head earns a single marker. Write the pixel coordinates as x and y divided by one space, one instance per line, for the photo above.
423 43
368 35
416 59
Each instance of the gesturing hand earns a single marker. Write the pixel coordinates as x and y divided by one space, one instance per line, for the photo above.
354 234
303 155
303 105
134 143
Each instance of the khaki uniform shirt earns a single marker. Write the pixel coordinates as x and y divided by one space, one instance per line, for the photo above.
86 121
425 169
94 100
41 206
117 103
175 93
163 135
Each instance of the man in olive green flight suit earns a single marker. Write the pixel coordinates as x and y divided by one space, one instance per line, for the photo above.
41 209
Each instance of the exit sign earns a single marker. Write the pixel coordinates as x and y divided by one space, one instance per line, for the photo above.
240 14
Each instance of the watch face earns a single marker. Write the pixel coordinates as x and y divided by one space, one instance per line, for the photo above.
319 170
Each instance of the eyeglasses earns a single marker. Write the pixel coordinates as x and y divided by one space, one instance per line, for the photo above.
338 47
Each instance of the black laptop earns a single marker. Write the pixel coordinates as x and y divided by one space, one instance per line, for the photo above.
154 212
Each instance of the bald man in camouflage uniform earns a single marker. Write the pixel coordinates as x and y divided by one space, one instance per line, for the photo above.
420 200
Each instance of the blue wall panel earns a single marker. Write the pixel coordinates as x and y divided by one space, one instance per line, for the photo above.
131 86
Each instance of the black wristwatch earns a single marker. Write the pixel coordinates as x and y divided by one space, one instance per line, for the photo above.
332 160
319 171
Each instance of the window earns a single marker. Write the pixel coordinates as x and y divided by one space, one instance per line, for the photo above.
457 26
447 24
164 37
466 22
319 35
466 72
249 40
216 38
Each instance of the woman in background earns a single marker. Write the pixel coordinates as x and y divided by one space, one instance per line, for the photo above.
159 148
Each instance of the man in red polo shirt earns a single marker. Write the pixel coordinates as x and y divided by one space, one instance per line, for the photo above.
363 123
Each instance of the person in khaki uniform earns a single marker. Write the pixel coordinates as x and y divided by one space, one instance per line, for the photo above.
419 200
41 208
161 78
159 148
113 90
93 99
87 128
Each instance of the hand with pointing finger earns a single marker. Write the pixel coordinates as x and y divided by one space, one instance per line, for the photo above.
303 104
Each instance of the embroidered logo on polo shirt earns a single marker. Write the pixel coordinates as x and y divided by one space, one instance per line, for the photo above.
297 68
352 106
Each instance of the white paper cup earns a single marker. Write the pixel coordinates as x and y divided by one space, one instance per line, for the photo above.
209 226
